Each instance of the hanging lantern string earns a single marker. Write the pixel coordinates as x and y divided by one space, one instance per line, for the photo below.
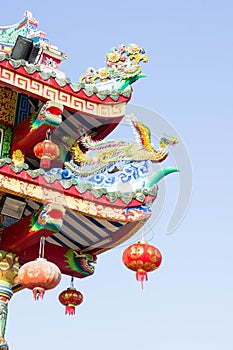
143 232
72 282
48 134
41 249
142 237
137 237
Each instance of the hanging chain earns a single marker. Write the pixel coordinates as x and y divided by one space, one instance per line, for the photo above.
41 249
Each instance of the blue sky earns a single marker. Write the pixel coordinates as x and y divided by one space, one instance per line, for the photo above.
187 303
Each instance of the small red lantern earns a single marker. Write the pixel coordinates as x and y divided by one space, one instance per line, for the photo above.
39 275
70 298
142 258
46 151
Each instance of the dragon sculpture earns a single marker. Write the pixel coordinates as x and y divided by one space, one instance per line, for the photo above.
118 169
49 216
115 151
80 262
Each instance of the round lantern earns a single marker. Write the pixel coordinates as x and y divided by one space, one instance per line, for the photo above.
142 258
46 151
39 275
70 298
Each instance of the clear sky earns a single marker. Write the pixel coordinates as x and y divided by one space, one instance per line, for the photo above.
187 303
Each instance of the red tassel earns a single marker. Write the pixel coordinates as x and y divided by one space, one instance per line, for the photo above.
38 293
141 275
70 310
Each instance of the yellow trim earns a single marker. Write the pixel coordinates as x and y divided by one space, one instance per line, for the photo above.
46 195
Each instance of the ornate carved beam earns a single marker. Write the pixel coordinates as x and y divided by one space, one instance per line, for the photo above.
33 129
28 231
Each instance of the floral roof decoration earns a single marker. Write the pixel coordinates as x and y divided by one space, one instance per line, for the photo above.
122 68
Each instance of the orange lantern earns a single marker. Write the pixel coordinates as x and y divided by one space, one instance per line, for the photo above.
39 275
70 298
142 258
46 151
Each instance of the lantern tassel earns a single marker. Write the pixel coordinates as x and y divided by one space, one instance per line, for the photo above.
38 293
141 276
70 310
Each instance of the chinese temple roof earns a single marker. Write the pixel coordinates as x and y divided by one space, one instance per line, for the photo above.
35 96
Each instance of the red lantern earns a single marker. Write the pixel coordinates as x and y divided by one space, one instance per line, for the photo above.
142 258
70 298
46 151
39 275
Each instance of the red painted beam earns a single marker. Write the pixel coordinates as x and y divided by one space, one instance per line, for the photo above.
18 236
24 138
53 253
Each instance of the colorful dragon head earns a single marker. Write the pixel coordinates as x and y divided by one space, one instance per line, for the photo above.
81 262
